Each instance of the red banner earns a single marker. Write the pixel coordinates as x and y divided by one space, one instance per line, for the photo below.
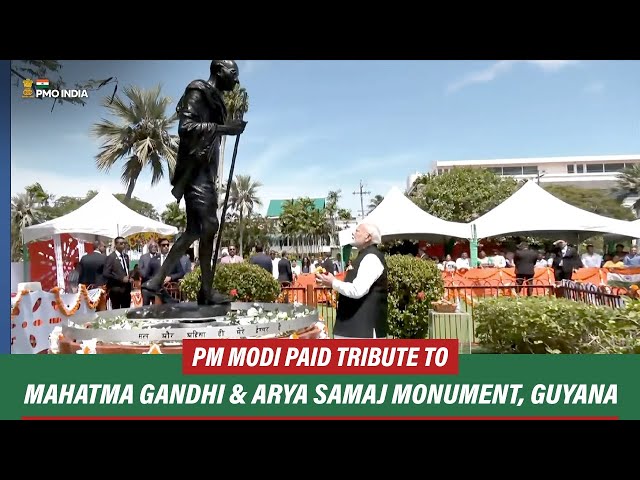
321 357
42 258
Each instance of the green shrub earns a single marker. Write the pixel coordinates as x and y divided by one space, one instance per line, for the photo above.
245 282
544 325
624 334
413 284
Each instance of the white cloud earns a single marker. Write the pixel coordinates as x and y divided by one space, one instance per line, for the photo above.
594 88
316 181
501 67
247 67
482 76
313 181
271 157
81 138
552 65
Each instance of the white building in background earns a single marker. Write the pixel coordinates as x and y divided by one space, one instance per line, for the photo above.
594 171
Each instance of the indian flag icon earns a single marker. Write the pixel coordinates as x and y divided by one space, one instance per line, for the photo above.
42 84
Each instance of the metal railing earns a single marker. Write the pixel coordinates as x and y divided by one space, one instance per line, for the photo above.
467 296
591 294
321 298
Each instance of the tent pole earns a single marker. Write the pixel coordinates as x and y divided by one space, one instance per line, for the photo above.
57 248
25 260
473 246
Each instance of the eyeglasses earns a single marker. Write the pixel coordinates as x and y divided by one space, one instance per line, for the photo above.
164 245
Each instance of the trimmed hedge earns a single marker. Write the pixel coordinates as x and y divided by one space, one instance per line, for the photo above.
556 325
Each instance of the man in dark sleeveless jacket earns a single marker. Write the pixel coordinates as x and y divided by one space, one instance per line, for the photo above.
362 303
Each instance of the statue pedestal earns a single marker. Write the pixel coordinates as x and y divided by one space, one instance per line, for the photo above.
135 331
189 311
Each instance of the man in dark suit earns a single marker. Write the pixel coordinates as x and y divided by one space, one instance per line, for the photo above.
175 273
284 269
566 260
525 260
92 266
328 264
116 273
145 260
262 259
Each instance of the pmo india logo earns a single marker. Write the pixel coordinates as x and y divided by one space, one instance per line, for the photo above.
43 90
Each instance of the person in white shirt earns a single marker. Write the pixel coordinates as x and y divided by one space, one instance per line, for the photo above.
498 261
275 259
362 307
591 259
295 267
463 261
541 262
483 260
449 264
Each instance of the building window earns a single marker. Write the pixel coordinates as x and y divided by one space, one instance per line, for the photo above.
571 168
595 168
496 170
613 167
530 170
580 168
512 170
440 171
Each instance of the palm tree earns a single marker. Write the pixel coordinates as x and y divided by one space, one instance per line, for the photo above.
26 210
289 223
141 137
237 103
243 198
375 201
331 207
629 184
344 214
174 215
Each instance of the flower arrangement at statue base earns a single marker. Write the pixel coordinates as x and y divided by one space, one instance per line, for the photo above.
119 334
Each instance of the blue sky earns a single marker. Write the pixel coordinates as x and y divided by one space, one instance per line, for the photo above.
315 126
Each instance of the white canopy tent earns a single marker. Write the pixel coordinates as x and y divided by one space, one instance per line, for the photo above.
103 216
533 210
616 237
397 217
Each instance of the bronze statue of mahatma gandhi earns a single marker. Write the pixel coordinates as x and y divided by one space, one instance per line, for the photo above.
202 119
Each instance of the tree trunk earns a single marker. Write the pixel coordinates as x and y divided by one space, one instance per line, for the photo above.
241 231
129 194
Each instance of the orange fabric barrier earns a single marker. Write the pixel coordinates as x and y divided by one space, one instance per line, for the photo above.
303 281
594 275
542 276
494 277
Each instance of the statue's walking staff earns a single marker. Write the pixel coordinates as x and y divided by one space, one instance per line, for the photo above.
226 195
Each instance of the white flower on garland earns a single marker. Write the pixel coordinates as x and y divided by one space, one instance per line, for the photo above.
54 339
88 347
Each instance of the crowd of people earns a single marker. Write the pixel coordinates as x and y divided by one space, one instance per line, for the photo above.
121 276
284 266
564 258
